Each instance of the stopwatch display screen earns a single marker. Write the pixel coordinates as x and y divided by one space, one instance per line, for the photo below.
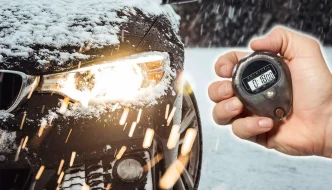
261 80
259 76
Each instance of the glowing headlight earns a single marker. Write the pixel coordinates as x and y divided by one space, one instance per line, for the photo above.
129 170
122 79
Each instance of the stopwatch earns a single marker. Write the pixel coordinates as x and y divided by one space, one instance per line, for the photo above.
262 81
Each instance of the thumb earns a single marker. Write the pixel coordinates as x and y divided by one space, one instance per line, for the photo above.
287 42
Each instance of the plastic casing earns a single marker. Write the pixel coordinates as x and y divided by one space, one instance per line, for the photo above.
258 103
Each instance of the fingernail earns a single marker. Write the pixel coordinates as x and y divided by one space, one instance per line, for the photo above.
223 89
265 123
223 70
233 104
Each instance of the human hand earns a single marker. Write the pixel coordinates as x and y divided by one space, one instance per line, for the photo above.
308 128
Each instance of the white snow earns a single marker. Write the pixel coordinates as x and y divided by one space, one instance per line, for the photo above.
57 56
4 115
232 164
7 141
51 115
60 23
108 147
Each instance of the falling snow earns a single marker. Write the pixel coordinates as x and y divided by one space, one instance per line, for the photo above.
234 22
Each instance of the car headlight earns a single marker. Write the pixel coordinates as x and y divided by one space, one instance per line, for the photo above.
122 79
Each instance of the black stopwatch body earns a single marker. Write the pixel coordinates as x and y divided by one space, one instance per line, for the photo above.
262 81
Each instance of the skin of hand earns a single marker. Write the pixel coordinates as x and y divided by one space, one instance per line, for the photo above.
308 129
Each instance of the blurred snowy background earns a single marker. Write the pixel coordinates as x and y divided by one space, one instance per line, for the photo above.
215 23
233 164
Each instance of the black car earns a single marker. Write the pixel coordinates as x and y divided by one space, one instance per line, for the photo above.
92 96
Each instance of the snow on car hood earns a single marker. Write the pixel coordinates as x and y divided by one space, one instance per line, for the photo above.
60 23
7 144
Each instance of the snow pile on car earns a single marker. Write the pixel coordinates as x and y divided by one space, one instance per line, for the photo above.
7 140
4 115
39 29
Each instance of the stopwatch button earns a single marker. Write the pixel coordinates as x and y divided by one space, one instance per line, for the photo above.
270 93
280 113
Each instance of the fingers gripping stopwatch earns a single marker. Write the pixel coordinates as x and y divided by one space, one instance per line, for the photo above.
262 81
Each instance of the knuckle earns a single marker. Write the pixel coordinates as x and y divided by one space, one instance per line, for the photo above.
278 29
219 115
228 91
248 124
239 110
314 43
236 128
210 90
220 61
275 44
220 58
243 128
216 67
224 122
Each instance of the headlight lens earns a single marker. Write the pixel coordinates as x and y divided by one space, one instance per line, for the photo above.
118 80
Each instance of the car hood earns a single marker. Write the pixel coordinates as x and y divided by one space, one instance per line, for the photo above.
39 37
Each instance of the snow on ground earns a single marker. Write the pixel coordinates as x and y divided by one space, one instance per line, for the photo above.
233 164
